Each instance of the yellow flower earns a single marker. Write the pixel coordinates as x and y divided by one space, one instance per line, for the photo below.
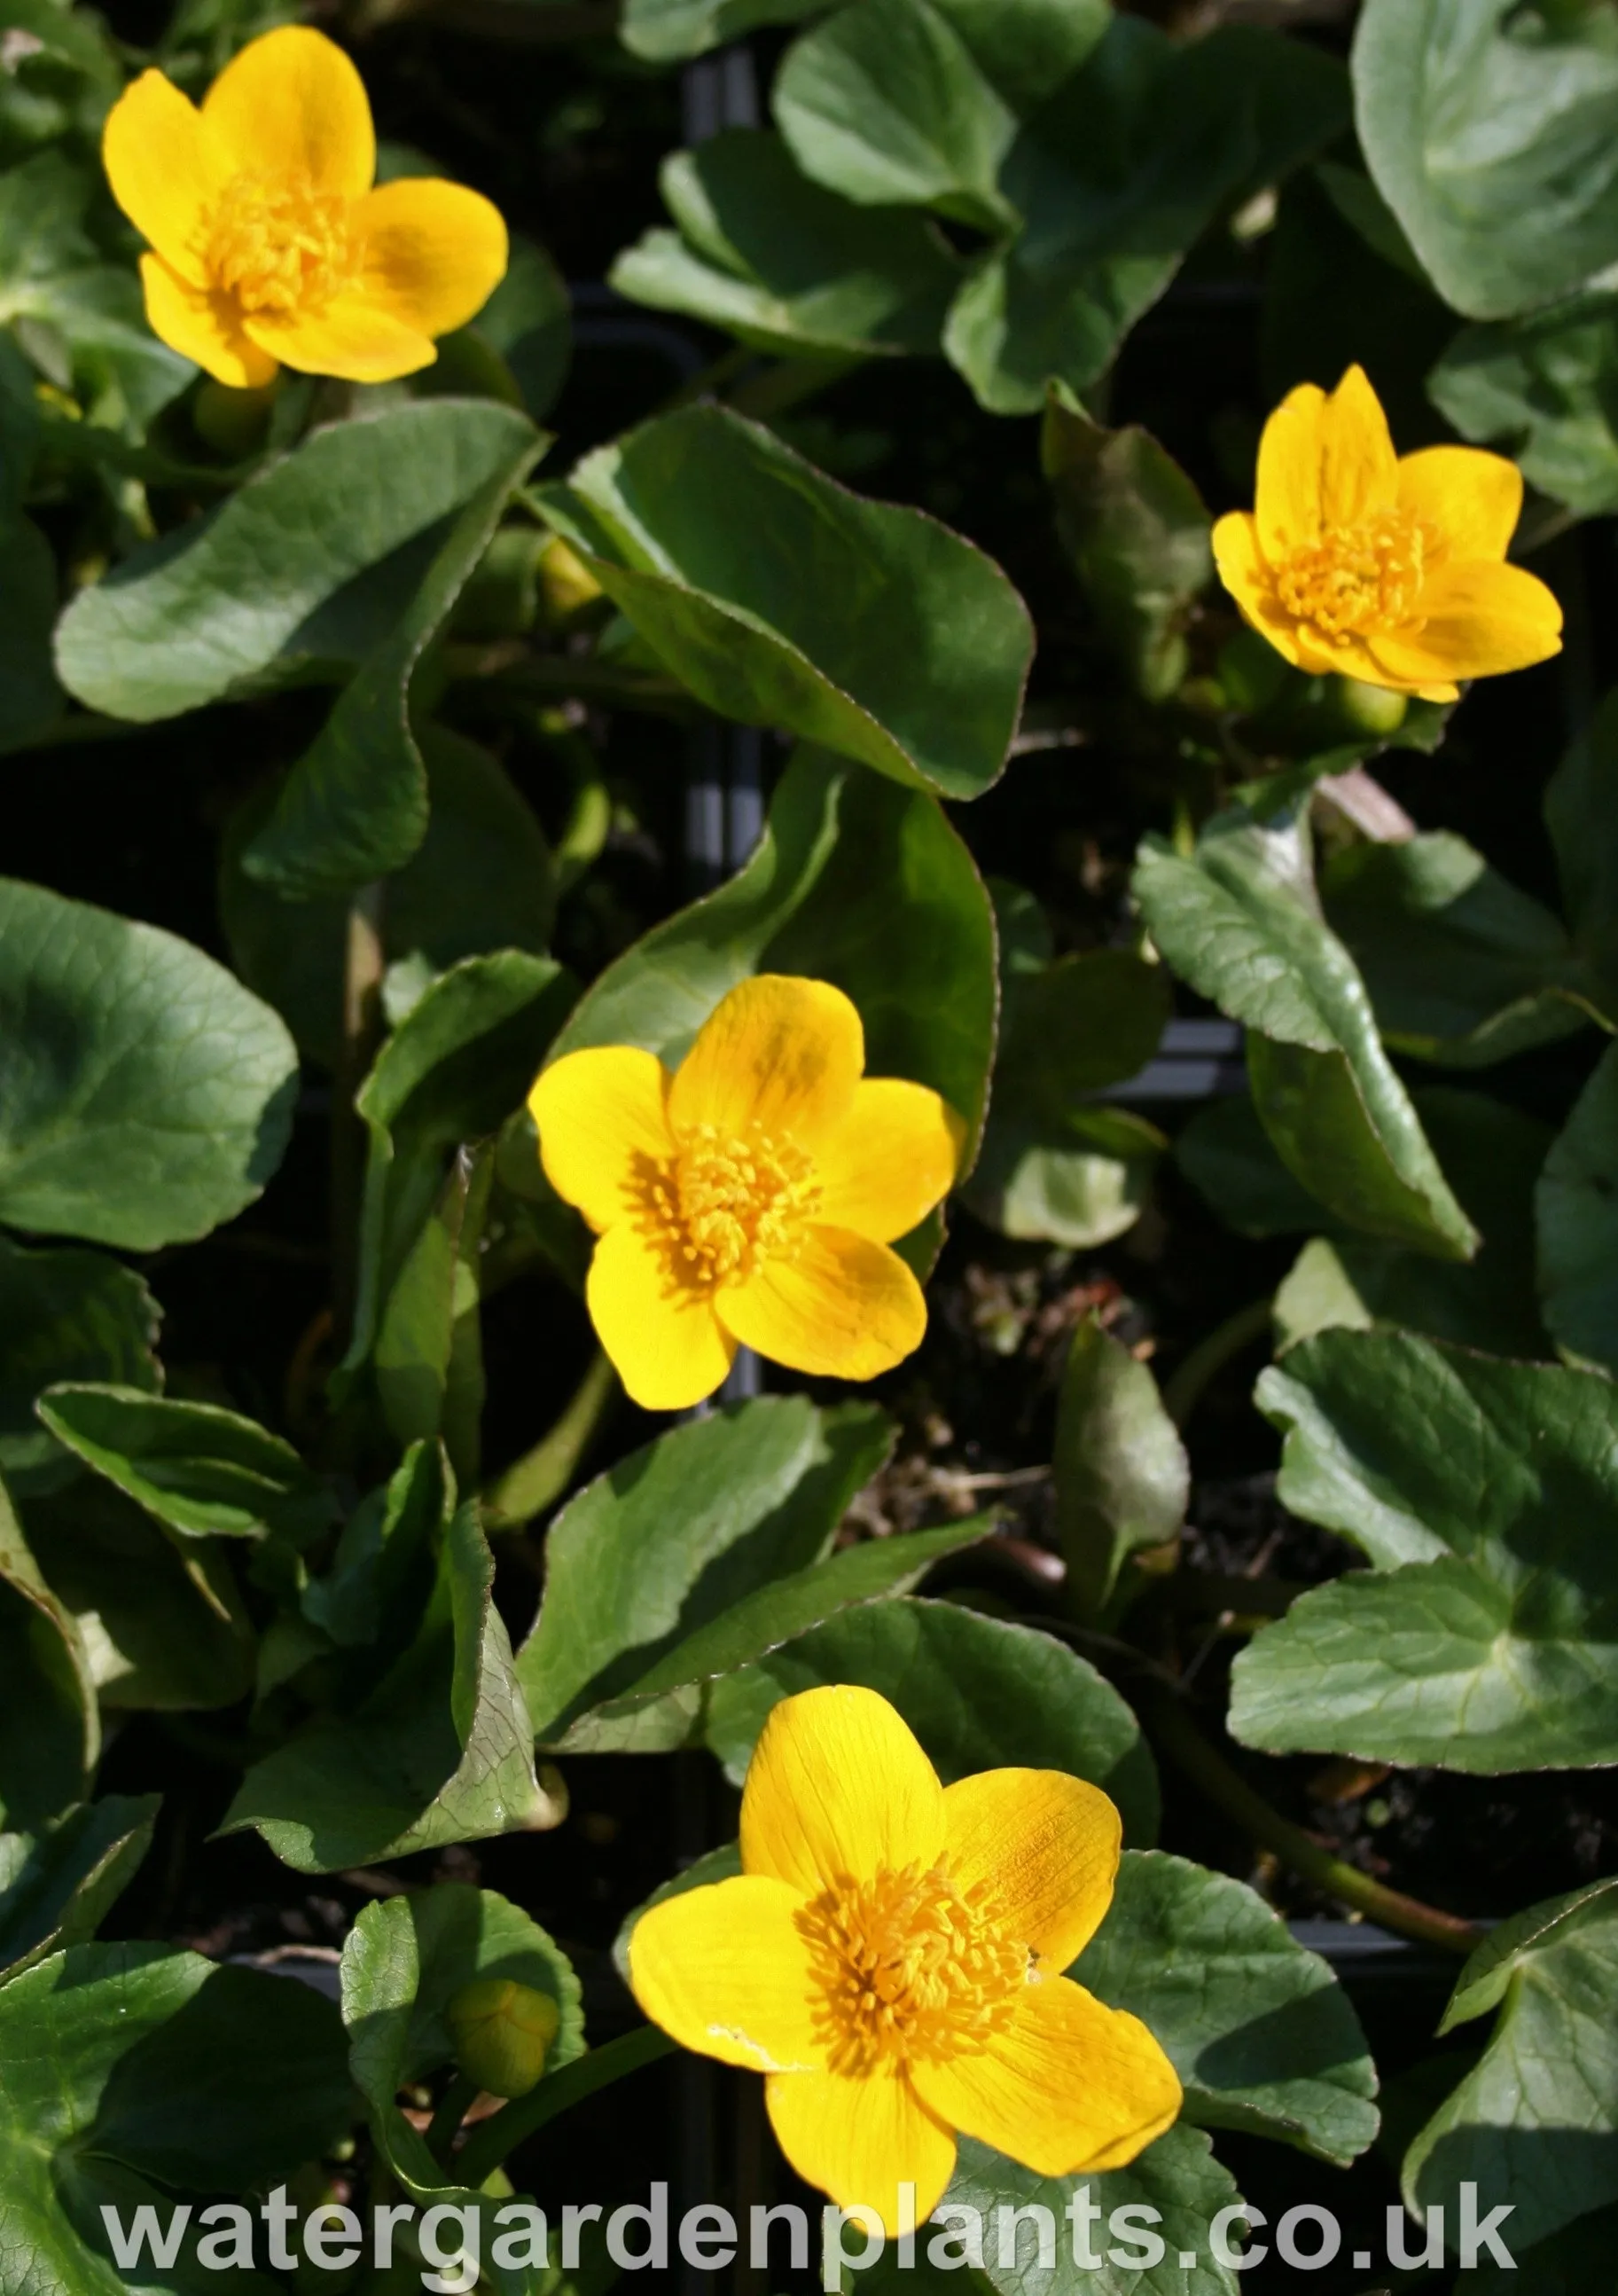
272 245
890 1958
750 1198
1383 568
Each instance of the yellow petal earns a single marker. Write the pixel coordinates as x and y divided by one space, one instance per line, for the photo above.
352 338
1323 462
663 1336
778 1051
844 1309
1478 621
1286 497
1245 574
1470 500
837 1789
893 1158
292 104
602 1128
861 2139
163 171
724 1970
1072 2085
202 326
1046 1845
432 254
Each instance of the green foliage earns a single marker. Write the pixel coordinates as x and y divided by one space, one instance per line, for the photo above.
1122 1477
56 1886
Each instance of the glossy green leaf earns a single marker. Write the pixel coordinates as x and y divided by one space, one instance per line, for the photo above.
308 567
1025 48
1542 390
427 1359
204 1471
1079 1182
1262 2035
1485 1639
779 598
1462 968
1492 132
56 1886
675 1536
981 1693
1576 1214
440 1751
784 264
1136 531
124 2085
884 103
1123 1480
1534 2124
483 879
145 1095
665 31
50 1733
854 882
65 1315
1241 922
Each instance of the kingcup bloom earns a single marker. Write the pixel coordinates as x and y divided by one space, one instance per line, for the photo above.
1384 567
272 245
891 1959
749 1199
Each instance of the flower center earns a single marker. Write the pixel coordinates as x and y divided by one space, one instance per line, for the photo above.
1357 578
908 1970
721 1205
278 245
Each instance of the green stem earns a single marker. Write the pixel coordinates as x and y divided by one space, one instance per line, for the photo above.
494 2139
1173 1730
1184 1390
454 2105
713 378
540 1476
365 961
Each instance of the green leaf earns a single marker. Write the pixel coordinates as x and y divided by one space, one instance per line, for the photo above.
855 881
1231 1160
50 1735
1491 1156
1577 1220
124 2085
1241 922
1493 134
427 1358
1534 2124
1080 1183
204 1471
783 265
145 1095
1136 531
1262 2035
1123 1480
403 1961
160 1621
441 1751
1025 48
666 32
886 104
483 879
1542 390
65 1315
56 1886
1462 969
527 321
979 1693
1486 1492
674 1537
779 598
308 566
1177 2177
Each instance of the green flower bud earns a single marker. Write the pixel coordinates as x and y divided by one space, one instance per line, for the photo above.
233 422
502 2031
1369 709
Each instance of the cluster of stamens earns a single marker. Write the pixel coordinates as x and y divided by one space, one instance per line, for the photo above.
278 246
1360 578
722 1205
909 1970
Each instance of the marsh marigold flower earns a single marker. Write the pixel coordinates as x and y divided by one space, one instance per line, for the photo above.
1383 568
272 242
891 1960
750 1198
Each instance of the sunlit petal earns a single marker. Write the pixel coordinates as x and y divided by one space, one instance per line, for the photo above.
603 1130
202 326
861 2140
163 171
431 254
778 1053
292 105
843 1307
726 1971
837 1789
351 339
1043 1847
893 1158
663 1337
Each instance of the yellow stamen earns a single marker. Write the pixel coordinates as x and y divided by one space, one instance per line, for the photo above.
279 246
1358 578
722 1206
909 1970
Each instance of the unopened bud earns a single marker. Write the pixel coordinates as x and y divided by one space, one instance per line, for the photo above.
567 587
502 2032
1369 709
